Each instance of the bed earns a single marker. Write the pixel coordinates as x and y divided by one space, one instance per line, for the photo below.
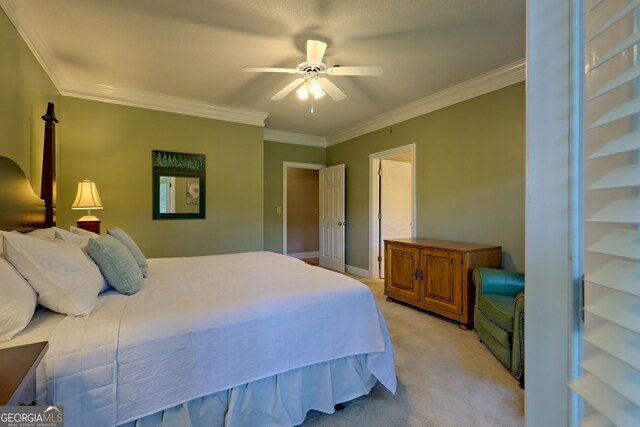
250 339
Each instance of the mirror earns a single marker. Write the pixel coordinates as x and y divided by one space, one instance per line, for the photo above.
178 185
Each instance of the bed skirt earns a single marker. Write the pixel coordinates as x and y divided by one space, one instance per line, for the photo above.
280 400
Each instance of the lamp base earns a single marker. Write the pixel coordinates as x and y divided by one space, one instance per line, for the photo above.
89 223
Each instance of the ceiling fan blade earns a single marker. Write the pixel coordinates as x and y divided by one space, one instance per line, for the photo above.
333 90
366 70
287 89
268 70
315 51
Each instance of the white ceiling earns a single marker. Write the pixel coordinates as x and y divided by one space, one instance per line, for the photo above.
194 49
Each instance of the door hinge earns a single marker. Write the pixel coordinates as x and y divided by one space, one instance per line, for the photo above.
379 215
379 172
379 258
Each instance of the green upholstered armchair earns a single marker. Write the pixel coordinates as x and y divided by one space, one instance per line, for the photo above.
499 316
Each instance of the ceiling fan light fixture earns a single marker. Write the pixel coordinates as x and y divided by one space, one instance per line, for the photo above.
312 81
314 85
303 91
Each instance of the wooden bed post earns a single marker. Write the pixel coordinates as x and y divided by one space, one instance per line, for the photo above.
47 185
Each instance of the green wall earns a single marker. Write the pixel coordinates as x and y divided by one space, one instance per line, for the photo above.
112 145
25 90
275 154
470 166
470 173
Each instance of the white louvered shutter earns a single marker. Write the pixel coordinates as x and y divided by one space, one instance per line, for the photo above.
610 382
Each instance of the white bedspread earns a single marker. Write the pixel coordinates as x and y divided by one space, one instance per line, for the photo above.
205 324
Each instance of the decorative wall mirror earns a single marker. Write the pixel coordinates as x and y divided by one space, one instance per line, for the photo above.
178 185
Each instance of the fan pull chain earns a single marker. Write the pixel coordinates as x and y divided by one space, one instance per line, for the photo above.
312 98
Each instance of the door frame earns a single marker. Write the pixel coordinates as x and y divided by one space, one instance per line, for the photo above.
374 200
285 166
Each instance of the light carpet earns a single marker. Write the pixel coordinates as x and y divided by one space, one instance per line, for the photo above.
446 377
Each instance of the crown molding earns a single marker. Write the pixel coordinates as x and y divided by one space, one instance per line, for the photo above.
155 101
97 92
485 83
17 15
294 138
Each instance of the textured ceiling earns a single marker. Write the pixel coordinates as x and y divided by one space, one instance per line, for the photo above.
194 49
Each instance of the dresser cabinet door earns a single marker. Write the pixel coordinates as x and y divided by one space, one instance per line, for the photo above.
442 282
402 269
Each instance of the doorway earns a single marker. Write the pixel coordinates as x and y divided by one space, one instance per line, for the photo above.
300 219
392 208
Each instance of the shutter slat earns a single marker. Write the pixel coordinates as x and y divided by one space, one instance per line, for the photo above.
623 78
621 242
623 211
596 420
619 342
617 49
619 308
619 376
624 144
621 177
620 411
618 275
595 5
621 111
615 18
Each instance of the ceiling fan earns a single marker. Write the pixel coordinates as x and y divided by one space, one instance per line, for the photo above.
311 84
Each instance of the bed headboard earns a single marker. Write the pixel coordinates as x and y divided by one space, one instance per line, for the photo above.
20 208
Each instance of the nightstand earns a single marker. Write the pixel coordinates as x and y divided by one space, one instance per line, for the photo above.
18 373
92 224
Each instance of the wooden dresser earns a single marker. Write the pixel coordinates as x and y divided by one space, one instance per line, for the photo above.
436 274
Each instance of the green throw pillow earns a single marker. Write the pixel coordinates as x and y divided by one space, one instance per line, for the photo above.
116 264
126 240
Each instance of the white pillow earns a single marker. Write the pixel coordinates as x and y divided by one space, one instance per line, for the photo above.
43 233
76 239
39 233
17 302
83 232
81 240
64 278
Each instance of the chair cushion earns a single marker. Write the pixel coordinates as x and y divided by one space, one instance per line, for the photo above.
495 345
500 336
499 309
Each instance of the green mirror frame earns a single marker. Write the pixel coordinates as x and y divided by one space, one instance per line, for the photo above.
178 165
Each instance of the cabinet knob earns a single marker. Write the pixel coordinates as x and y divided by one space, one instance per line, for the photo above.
416 274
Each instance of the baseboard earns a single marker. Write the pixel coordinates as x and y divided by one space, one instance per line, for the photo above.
303 255
359 271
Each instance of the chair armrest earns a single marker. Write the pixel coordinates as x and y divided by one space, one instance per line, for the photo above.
500 282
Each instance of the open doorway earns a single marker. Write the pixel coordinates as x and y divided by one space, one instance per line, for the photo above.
300 211
392 200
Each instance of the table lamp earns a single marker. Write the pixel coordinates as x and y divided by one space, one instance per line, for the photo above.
87 198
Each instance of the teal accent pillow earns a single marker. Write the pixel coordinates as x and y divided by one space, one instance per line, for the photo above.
126 240
116 264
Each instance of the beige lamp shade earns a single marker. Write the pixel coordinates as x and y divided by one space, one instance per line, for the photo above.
87 196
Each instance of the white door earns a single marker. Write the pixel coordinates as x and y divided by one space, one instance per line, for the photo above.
395 203
332 217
